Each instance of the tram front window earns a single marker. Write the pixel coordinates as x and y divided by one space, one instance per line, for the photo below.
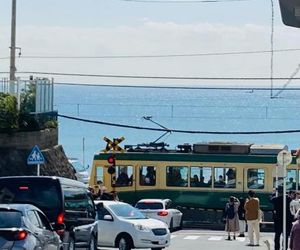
124 175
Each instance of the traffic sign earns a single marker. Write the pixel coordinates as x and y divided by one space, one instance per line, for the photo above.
35 157
284 158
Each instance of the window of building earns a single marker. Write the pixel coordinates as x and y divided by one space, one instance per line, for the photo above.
147 176
177 176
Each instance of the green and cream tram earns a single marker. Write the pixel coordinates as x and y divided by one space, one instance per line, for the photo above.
199 176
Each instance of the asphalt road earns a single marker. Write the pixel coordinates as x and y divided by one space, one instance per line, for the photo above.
212 240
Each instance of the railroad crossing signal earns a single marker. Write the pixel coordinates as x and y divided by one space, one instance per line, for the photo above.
112 168
113 145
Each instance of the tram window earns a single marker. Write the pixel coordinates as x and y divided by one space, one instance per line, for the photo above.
147 176
225 178
280 182
291 179
124 175
99 175
200 177
177 176
256 178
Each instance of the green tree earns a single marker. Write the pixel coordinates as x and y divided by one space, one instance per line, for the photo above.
8 112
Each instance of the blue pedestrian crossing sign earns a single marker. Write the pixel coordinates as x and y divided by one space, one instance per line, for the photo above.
35 157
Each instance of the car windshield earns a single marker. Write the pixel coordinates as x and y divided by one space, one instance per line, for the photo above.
10 219
149 205
126 211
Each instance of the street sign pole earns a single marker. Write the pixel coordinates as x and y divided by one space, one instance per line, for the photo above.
284 158
284 203
38 169
276 180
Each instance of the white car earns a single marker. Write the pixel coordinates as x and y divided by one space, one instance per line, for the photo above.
81 172
161 209
125 227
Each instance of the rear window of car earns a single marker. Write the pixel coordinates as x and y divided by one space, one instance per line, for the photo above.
41 192
10 219
126 211
149 205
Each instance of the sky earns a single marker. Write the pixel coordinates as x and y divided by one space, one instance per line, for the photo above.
80 30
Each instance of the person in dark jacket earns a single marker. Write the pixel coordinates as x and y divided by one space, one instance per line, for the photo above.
242 219
278 217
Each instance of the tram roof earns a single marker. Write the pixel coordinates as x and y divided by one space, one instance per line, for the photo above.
190 157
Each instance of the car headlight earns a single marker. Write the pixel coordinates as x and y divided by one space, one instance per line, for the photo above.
141 227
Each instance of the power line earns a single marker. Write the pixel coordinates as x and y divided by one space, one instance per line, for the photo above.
181 131
170 87
157 56
182 1
157 77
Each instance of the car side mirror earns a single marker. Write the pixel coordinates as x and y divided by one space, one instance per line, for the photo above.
108 217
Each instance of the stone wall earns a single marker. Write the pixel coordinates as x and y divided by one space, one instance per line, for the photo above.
46 138
16 147
13 162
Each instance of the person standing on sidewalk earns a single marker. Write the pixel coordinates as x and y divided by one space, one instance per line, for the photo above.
231 216
242 219
278 217
295 235
252 217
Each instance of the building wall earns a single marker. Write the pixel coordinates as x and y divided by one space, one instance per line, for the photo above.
46 138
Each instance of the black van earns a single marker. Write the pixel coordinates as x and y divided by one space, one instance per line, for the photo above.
64 201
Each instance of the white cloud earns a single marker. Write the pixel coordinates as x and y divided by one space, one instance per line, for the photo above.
155 38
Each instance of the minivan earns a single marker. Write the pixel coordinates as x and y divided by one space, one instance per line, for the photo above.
64 201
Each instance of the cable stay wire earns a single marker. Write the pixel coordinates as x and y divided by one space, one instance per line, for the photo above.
178 130
287 83
155 56
156 77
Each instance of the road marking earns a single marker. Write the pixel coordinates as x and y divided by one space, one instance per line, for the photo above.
191 237
215 238
173 236
241 239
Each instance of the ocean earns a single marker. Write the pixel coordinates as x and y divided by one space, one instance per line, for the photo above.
212 110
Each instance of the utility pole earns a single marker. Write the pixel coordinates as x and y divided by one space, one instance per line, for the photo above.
12 76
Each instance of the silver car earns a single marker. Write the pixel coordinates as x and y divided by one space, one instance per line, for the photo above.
24 226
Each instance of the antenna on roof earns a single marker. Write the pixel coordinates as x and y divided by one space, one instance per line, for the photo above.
168 131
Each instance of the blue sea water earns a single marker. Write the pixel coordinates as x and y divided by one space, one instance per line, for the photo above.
180 109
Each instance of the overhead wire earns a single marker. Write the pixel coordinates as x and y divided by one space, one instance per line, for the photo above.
155 77
180 131
156 56
182 1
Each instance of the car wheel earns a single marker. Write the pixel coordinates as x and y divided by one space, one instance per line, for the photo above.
93 243
71 244
124 243
181 223
171 225
156 248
